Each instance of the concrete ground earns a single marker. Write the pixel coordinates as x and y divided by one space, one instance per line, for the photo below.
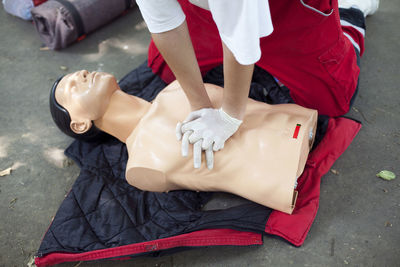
358 223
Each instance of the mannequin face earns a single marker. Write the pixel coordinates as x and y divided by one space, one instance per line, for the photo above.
85 95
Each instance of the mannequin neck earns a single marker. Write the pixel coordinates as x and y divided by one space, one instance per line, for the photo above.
122 115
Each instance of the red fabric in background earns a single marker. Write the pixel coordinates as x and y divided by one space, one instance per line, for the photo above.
307 52
38 2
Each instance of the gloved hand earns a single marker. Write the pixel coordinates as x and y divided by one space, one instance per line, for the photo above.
207 129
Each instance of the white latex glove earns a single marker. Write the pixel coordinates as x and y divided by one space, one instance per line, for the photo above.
207 129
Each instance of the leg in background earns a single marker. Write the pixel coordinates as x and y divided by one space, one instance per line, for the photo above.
353 26
352 19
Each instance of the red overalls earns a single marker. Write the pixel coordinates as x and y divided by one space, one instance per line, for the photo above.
307 52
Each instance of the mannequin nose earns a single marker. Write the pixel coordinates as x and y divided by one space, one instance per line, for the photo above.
83 73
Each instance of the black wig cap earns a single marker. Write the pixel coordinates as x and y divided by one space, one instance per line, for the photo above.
63 120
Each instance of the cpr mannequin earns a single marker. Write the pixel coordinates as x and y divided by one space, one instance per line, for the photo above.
259 162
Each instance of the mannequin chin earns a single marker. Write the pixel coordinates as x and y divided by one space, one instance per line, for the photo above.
259 162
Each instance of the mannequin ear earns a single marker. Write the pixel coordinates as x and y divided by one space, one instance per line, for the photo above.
80 127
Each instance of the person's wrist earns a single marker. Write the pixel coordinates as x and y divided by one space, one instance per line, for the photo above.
232 120
237 113
200 105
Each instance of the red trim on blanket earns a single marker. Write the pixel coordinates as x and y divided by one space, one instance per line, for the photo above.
80 38
294 228
209 237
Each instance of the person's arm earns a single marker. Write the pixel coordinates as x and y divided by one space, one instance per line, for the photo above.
208 129
177 49
237 79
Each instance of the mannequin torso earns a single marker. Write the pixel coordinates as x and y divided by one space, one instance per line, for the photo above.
260 162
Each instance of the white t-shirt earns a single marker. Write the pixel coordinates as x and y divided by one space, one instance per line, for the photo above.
241 23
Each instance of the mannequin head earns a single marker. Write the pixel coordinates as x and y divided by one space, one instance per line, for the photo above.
78 99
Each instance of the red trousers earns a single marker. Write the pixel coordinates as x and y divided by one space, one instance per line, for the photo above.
307 52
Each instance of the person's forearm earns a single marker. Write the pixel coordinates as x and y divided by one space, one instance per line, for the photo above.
177 50
237 79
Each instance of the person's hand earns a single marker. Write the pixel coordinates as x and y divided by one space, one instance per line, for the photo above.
207 129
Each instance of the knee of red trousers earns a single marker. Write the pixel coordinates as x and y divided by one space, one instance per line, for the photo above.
332 101
332 89
355 36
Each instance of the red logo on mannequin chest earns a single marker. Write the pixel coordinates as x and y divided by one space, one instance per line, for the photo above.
296 131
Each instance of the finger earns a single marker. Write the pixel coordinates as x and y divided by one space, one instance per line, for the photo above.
187 126
207 143
193 115
185 144
194 137
197 154
218 145
178 131
210 158
207 139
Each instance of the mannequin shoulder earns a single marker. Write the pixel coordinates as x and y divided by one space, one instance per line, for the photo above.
172 87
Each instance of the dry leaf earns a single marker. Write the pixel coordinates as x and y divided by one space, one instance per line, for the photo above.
388 224
31 262
335 172
6 172
12 202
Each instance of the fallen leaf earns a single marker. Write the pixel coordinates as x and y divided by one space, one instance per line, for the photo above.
12 202
31 262
335 172
6 172
386 175
63 68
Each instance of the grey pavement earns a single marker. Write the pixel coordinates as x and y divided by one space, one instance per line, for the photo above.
358 222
